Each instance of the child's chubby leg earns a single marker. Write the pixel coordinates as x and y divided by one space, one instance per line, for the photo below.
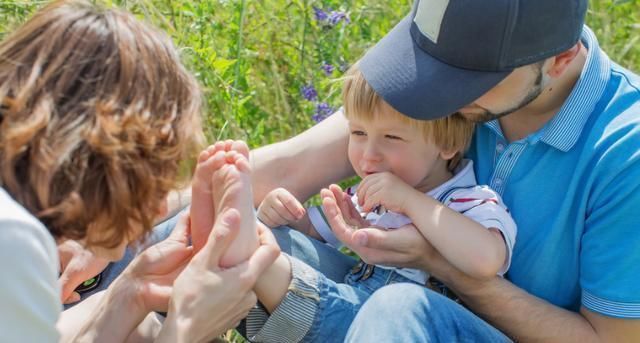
202 211
302 305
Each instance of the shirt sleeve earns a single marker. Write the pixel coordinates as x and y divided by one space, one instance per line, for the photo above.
610 243
29 292
485 206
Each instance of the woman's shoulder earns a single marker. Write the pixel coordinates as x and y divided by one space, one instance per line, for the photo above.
29 265
12 211
20 230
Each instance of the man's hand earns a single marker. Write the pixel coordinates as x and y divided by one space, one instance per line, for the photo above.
279 208
402 247
383 189
77 265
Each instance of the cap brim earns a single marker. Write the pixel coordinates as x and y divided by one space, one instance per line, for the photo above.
415 83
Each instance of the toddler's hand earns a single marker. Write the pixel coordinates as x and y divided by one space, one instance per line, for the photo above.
383 189
280 207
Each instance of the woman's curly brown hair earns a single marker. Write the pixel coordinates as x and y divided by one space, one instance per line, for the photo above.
97 113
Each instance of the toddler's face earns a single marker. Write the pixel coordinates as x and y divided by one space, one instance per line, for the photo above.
385 144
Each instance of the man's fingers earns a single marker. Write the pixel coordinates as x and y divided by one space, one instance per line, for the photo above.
356 217
389 247
224 232
348 210
336 221
343 201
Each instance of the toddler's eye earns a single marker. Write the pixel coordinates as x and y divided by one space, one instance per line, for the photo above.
358 133
393 137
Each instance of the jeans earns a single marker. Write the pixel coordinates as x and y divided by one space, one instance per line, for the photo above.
397 312
410 313
356 305
317 309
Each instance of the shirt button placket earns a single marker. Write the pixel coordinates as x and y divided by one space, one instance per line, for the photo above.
504 165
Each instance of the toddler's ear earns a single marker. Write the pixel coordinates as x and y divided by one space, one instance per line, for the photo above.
447 155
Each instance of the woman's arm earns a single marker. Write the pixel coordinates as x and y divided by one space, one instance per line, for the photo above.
205 300
105 317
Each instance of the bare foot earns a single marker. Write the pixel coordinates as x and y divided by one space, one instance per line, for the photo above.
231 183
202 211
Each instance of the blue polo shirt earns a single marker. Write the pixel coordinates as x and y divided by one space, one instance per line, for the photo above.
573 189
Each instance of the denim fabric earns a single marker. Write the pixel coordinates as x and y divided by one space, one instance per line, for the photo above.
320 260
410 313
339 303
318 308
322 257
343 309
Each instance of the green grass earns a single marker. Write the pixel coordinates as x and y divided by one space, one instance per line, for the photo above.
253 57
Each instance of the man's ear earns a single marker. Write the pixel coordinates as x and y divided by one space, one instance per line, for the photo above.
559 63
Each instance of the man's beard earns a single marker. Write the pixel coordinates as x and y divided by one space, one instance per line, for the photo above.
531 96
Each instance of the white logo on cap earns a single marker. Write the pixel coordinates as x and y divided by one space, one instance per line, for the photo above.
429 17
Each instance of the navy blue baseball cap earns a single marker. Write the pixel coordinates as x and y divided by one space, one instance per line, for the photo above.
448 53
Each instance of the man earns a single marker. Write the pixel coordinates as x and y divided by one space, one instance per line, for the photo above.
559 140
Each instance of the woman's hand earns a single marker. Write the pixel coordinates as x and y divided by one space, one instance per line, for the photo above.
207 300
153 272
77 265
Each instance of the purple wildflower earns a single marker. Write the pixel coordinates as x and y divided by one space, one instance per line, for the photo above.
327 68
320 14
323 110
335 17
309 92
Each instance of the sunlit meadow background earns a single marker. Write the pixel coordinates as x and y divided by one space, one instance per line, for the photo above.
271 68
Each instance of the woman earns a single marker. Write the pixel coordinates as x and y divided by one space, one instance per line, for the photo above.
96 115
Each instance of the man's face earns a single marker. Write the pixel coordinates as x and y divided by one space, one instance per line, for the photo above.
516 91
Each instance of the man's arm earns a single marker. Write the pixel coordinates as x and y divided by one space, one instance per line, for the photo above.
302 164
305 163
501 303
527 318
